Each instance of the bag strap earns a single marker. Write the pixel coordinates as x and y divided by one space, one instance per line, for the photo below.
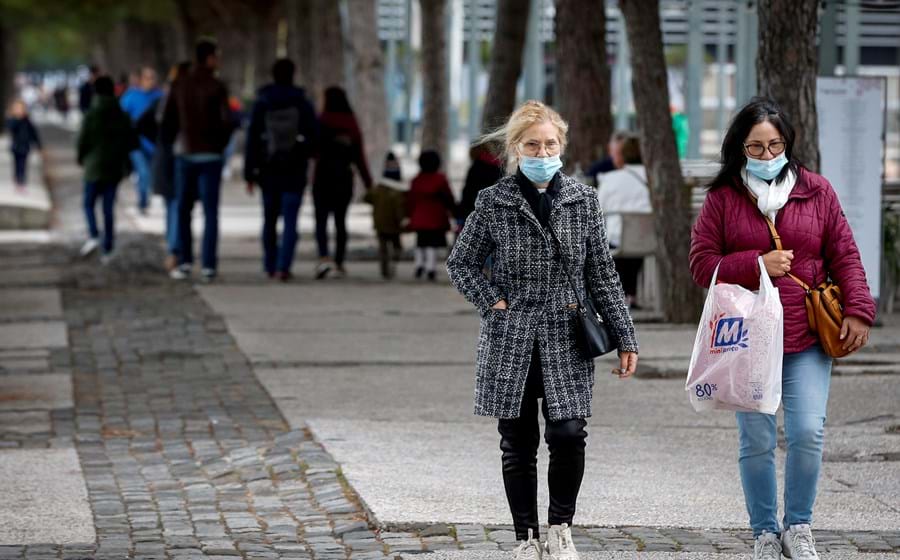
776 238
565 266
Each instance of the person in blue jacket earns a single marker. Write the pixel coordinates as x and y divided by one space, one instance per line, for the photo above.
136 102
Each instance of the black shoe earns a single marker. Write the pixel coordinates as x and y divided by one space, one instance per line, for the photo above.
432 276
419 272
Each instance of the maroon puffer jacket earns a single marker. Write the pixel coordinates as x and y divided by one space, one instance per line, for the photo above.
731 229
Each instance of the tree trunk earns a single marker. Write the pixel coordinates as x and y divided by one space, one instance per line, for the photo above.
327 47
506 62
786 68
434 77
8 60
368 69
582 81
671 198
300 43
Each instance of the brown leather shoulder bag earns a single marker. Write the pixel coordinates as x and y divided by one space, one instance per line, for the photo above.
824 307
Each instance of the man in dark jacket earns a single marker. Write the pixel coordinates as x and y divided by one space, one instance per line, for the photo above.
282 132
104 142
197 114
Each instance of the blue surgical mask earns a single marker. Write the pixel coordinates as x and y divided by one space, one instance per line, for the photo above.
766 169
540 169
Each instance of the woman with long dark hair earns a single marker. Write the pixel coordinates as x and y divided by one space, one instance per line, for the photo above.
760 178
340 147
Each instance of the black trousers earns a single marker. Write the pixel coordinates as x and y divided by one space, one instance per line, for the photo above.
519 440
628 269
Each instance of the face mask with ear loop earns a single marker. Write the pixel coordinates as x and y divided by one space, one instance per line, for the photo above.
540 170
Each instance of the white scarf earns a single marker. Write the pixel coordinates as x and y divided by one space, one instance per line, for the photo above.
770 198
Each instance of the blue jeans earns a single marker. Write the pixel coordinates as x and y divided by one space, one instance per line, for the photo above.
198 180
286 205
92 191
141 163
805 382
172 225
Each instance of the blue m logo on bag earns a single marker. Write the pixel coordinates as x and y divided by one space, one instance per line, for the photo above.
729 334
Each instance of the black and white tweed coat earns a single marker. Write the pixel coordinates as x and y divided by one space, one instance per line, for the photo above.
540 299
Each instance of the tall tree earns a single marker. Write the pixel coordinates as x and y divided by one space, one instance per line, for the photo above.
786 68
368 70
506 62
671 198
327 47
300 41
582 77
434 76
8 58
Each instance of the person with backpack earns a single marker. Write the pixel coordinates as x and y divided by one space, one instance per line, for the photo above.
340 147
282 131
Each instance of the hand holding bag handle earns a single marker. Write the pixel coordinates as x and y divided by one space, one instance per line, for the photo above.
594 336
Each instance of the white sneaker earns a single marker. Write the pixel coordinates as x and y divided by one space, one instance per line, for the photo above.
181 272
89 246
797 542
106 258
767 547
559 543
208 274
530 549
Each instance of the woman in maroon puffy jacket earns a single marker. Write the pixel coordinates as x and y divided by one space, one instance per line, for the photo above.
759 178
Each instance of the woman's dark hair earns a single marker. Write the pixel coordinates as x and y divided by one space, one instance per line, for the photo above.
104 86
429 161
336 101
759 109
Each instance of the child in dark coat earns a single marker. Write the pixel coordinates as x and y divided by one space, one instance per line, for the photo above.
23 135
388 201
430 205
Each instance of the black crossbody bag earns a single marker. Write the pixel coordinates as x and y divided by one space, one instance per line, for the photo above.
594 336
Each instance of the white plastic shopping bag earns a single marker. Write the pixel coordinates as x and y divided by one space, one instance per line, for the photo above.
738 351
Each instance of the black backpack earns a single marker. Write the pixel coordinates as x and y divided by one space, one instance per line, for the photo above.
282 131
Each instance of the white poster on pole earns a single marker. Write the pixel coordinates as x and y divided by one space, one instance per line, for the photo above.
851 112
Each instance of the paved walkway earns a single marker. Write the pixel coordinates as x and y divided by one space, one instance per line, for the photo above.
150 419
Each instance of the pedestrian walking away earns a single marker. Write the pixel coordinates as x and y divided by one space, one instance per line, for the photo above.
280 140
340 147
197 114
139 101
388 200
528 342
431 205
22 135
761 179
104 142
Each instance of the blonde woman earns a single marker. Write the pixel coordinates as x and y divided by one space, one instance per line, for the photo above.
528 347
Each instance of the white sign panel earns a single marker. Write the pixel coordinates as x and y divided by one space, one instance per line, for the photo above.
851 144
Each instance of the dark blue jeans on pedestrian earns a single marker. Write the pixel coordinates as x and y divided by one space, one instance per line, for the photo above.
107 191
279 257
198 180
20 172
